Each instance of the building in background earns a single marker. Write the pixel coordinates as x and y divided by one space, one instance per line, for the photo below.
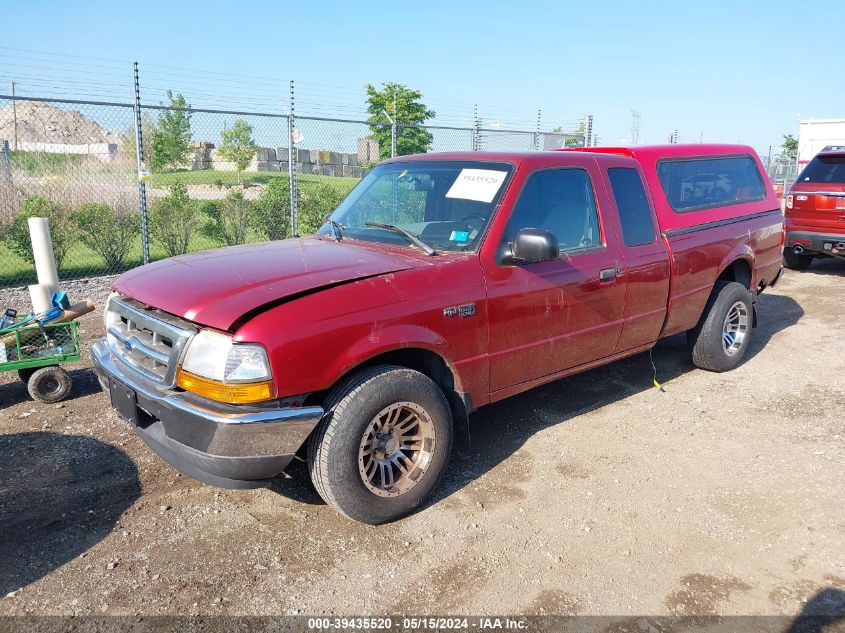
815 134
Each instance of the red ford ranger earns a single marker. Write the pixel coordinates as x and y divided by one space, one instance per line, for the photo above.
442 283
815 210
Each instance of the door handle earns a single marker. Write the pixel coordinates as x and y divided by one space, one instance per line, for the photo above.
607 274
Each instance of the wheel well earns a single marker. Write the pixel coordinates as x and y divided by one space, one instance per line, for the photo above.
424 361
739 270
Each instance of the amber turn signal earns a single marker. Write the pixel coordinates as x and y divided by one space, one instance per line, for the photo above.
234 393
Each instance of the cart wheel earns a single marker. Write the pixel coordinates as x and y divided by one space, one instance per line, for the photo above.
24 374
49 384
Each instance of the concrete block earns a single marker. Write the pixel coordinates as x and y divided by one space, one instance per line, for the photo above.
265 154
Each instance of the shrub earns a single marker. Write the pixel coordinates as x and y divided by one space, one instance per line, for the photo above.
62 230
174 219
272 210
315 202
105 232
230 219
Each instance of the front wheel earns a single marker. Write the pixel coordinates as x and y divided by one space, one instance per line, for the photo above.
721 337
382 444
794 261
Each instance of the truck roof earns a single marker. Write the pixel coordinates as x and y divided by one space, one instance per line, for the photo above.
648 157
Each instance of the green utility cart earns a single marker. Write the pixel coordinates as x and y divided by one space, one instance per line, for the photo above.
36 351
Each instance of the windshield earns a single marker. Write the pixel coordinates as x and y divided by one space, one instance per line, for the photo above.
446 204
825 169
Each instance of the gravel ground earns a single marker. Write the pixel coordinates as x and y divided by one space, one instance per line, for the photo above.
597 494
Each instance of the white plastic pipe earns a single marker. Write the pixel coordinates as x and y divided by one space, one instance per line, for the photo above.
41 296
42 251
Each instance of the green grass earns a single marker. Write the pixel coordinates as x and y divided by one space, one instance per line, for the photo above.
81 261
230 178
44 163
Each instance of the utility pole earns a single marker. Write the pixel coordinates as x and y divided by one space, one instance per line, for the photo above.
635 127
14 117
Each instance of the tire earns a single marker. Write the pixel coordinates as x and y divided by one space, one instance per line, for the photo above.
709 340
49 384
344 446
24 374
796 262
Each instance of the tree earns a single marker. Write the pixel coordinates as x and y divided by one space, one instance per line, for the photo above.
572 139
272 210
174 219
404 106
789 147
314 203
237 145
106 232
62 230
171 140
150 128
230 219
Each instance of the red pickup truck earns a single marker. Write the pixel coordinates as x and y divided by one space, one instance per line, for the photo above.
442 283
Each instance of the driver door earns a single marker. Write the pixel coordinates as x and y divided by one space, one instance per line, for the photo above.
550 316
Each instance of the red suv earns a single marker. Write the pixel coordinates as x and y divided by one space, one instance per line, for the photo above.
815 210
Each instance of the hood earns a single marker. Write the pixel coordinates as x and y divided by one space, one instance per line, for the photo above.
217 287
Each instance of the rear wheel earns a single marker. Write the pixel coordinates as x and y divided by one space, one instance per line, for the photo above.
382 444
721 337
795 261
49 384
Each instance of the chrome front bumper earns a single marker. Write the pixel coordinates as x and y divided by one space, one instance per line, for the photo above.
231 446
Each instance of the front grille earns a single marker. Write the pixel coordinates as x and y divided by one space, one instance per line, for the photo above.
149 340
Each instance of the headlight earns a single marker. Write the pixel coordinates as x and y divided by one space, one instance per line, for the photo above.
218 368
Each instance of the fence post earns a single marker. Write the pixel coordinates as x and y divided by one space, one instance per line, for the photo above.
139 162
588 130
393 130
5 162
537 133
475 130
292 156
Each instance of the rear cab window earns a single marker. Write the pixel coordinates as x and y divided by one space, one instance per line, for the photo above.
632 205
825 169
692 184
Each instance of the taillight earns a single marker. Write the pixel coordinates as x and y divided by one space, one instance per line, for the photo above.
789 201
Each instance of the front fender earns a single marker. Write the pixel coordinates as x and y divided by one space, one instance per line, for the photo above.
384 339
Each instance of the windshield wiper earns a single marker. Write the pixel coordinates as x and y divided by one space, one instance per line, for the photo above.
337 228
410 236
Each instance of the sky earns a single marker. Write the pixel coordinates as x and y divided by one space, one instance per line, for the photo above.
720 70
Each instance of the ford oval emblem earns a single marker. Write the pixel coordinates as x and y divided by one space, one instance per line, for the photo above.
127 345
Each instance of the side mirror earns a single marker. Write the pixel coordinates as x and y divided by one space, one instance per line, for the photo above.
532 246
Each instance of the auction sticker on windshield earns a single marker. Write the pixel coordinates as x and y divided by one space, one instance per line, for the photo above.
481 185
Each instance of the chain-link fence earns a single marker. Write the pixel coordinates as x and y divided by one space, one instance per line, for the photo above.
204 178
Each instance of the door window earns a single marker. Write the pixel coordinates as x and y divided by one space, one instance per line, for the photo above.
562 202
632 205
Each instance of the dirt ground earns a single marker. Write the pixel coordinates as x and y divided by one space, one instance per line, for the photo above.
597 494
